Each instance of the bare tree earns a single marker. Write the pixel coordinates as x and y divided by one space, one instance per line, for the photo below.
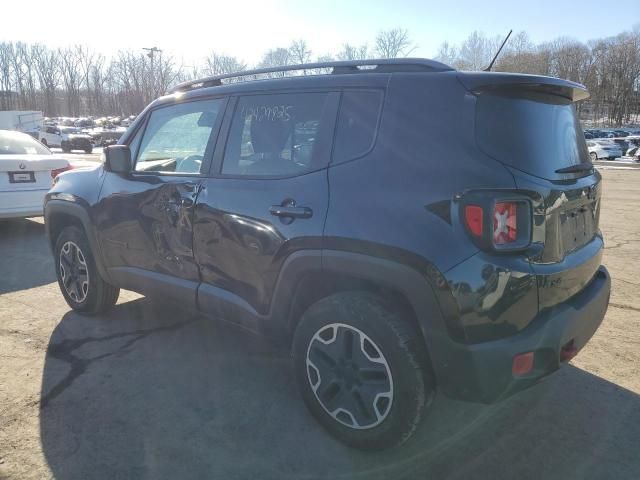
219 64
447 53
475 52
6 78
300 52
46 66
393 43
277 57
352 52
70 68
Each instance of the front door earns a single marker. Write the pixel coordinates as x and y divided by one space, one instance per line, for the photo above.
267 196
145 219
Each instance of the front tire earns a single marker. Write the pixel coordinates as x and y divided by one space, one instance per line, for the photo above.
66 148
78 277
594 156
362 370
88 150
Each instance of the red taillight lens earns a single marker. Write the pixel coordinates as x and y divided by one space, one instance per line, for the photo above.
57 171
473 219
505 226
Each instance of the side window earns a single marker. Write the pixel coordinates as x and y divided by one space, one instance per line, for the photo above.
176 137
275 134
357 124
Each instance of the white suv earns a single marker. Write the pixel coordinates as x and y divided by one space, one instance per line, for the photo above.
67 138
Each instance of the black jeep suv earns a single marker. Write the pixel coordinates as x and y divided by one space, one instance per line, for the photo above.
404 226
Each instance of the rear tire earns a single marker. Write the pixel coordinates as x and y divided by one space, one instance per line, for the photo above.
594 156
362 370
65 147
44 142
88 150
78 277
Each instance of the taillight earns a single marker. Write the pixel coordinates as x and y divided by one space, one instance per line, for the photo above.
57 171
496 221
505 225
473 218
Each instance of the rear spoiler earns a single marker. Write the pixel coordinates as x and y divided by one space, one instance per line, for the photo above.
479 82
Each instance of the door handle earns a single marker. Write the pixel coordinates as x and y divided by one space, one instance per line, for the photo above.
290 211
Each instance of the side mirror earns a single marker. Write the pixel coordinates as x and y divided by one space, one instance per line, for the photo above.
117 159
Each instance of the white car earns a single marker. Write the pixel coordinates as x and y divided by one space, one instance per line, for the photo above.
67 138
27 170
607 149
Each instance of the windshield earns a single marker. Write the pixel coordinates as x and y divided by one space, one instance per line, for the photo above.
16 143
536 133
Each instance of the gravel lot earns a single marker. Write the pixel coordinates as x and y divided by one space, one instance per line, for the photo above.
148 392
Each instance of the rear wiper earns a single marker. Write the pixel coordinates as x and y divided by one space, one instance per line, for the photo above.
580 167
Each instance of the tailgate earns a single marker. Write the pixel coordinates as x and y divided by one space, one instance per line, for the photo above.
530 124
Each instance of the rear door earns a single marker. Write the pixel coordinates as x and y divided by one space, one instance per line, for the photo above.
266 197
538 136
145 218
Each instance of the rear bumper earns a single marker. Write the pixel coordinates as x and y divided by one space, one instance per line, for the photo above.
482 372
21 204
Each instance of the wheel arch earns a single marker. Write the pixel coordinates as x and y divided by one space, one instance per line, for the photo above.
59 214
396 284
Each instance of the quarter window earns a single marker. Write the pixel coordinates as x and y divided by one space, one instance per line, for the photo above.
275 135
176 137
357 124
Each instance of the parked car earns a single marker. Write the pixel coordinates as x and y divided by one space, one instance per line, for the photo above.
26 171
67 138
622 143
597 133
307 208
601 149
84 123
106 135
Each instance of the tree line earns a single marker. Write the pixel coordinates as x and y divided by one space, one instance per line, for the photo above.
76 80
608 67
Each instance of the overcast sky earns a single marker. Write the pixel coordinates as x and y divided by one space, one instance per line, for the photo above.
188 30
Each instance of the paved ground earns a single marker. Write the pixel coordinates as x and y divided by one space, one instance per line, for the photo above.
149 393
78 157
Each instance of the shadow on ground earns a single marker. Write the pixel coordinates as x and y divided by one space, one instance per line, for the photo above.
25 258
146 392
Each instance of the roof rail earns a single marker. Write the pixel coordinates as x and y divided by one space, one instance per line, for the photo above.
340 67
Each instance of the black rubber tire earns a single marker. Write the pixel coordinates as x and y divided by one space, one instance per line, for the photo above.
101 296
44 142
405 352
88 150
594 156
65 147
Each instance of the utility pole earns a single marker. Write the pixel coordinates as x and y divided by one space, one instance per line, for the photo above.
151 53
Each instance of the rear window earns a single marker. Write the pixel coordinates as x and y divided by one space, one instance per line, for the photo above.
16 143
536 133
